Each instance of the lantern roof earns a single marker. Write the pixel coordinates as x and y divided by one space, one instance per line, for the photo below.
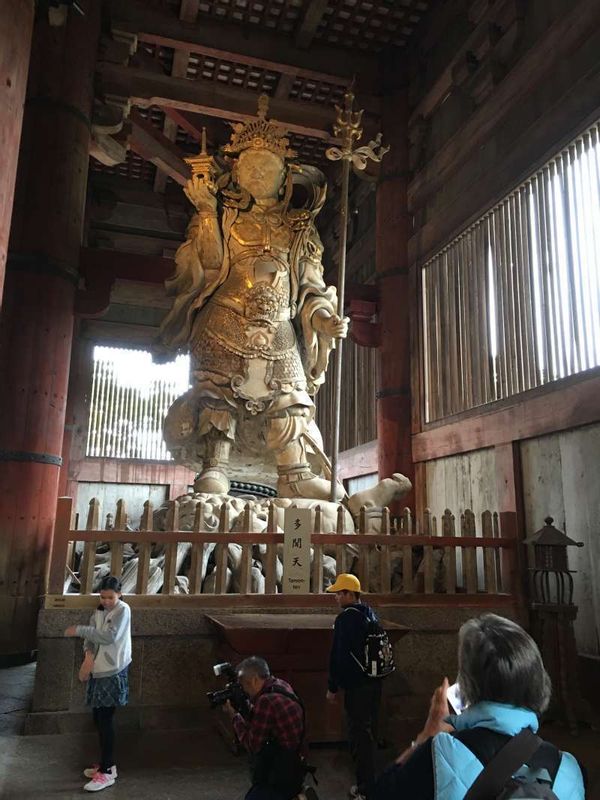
550 536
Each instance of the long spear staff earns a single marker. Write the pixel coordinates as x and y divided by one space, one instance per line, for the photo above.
348 128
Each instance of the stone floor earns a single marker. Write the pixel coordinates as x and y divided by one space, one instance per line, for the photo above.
16 689
155 766
173 765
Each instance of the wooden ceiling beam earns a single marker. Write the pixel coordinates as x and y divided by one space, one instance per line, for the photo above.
170 132
181 59
125 266
190 123
232 42
188 10
241 58
284 87
100 268
366 96
108 189
152 145
146 89
310 23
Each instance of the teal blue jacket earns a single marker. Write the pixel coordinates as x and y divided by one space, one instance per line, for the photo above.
443 768
455 767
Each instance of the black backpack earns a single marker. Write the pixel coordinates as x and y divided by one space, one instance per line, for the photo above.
279 769
496 781
377 656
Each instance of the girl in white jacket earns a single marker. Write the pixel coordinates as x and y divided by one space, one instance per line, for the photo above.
107 649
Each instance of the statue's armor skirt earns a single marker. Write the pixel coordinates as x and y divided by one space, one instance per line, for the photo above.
226 342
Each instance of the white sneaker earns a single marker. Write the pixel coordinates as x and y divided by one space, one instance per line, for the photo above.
308 793
91 771
355 794
101 780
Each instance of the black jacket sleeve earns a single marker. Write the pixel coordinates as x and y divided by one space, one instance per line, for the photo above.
348 642
412 780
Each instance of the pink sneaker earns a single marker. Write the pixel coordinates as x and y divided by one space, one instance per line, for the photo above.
91 771
101 780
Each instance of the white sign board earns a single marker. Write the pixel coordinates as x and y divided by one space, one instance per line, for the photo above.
297 529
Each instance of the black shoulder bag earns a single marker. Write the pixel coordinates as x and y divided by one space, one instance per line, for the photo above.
275 766
496 781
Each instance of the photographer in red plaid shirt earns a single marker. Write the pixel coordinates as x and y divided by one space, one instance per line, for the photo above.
273 733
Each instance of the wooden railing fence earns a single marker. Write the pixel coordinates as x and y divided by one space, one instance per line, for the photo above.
401 560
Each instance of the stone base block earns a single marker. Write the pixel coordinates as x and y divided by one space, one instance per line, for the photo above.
149 717
173 654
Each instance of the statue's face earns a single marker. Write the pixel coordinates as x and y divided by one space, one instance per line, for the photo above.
261 173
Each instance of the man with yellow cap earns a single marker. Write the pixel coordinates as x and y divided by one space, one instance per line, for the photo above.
362 695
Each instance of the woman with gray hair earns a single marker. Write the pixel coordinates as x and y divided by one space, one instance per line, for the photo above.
504 689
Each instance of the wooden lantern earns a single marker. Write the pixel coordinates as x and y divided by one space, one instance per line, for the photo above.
552 578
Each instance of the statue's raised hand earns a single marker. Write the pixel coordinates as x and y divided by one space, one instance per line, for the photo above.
201 195
330 324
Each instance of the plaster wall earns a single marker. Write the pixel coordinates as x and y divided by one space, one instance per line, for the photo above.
560 478
462 481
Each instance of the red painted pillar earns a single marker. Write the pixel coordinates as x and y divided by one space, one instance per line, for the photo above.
393 231
16 25
36 326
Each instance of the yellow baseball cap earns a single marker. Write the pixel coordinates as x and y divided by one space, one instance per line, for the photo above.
345 581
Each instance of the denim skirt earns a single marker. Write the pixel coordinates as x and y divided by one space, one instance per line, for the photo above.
104 692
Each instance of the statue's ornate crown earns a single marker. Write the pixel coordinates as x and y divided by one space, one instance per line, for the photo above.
260 133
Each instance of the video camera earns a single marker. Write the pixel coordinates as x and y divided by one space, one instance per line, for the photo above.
232 691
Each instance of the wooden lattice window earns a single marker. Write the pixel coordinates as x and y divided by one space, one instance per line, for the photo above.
514 301
358 414
130 396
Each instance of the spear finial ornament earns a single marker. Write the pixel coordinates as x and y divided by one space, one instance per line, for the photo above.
347 128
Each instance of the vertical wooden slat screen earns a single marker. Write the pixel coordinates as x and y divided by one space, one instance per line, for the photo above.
358 411
514 301
129 399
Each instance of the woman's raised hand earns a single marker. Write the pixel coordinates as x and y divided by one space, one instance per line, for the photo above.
438 711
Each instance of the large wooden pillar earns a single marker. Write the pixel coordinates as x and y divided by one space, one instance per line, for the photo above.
393 230
36 326
16 25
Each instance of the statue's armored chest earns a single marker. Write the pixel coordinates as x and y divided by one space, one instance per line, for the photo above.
255 229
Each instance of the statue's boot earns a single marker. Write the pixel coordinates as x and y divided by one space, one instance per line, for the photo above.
213 479
381 495
299 481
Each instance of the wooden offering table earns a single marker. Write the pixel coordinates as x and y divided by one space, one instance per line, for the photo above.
296 647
